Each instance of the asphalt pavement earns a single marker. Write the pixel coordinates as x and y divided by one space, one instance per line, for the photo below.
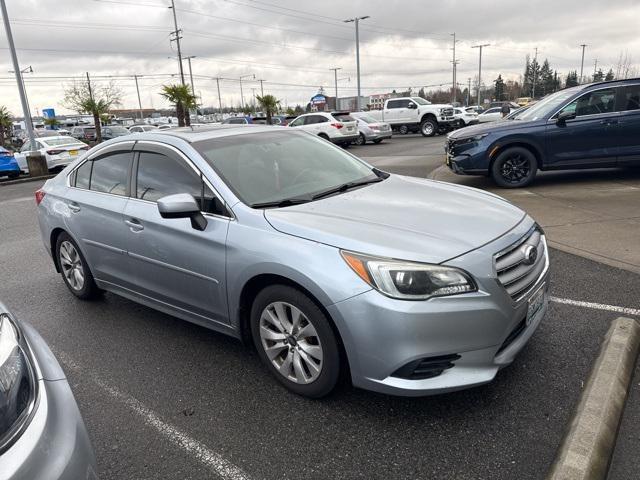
163 398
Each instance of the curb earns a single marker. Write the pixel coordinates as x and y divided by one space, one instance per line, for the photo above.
586 449
25 180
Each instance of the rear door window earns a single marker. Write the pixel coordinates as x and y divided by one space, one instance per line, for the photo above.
110 173
631 98
396 104
83 175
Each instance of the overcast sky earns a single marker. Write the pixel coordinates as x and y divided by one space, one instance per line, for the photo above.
293 44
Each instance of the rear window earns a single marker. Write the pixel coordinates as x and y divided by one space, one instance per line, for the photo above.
58 141
343 117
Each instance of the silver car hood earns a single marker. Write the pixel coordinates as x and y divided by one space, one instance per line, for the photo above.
402 217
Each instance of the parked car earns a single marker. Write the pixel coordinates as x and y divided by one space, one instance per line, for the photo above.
142 128
464 117
84 132
243 120
370 129
8 165
524 101
588 126
167 126
493 114
113 131
415 114
58 151
500 103
42 434
324 262
337 127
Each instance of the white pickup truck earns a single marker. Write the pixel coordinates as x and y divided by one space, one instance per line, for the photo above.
415 114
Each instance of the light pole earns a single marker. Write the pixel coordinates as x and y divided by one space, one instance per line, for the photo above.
480 68
135 77
335 76
176 32
16 67
535 67
193 90
584 45
455 62
219 97
241 94
261 87
356 20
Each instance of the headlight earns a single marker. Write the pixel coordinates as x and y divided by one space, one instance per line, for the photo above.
409 280
17 383
475 138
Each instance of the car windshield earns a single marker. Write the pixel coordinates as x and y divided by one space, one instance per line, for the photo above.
57 141
273 167
420 101
367 119
343 117
548 104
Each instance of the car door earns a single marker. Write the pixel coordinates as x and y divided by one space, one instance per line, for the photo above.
629 126
95 201
394 111
589 139
171 262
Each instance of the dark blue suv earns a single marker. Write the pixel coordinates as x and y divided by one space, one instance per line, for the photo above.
588 126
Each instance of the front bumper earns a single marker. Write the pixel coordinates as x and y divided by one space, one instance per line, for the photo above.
483 328
471 159
55 444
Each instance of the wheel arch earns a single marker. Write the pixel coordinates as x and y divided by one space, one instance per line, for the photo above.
53 239
429 116
498 149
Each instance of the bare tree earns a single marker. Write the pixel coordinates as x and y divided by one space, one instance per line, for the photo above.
92 98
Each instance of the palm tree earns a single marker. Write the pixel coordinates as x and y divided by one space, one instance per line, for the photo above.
5 123
183 99
269 104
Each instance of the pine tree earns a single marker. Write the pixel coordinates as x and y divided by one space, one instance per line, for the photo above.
572 79
609 75
598 76
421 93
499 88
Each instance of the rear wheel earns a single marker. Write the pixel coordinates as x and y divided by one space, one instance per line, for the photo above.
295 341
361 140
428 128
13 175
403 129
74 269
515 167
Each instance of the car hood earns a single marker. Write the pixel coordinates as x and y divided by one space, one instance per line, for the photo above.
402 217
489 127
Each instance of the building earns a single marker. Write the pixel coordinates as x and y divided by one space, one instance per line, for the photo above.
376 101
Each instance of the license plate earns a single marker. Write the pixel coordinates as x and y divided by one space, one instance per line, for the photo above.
535 304
73 152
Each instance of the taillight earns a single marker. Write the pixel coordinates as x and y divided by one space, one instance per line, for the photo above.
39 196
55 152
337 125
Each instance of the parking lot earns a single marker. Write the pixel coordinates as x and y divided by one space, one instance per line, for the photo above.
164 398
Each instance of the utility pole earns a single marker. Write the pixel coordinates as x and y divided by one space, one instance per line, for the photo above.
16 67
356 20
135 77
219 97
454 62
176 32
261 89
535 65
335 77
193 90
469 92
480 68
584 45
595 69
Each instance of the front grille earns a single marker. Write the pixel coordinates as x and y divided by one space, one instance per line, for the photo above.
447 112
426 367
515 333
516 272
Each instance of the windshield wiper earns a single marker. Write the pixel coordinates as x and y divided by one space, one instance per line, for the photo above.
346 186
287 202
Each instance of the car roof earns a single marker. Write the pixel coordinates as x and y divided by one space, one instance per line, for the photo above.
196 134
623 81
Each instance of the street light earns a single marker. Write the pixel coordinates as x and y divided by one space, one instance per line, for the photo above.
241 94
480 68
356 20
25 70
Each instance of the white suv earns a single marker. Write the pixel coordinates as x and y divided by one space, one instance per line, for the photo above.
337 127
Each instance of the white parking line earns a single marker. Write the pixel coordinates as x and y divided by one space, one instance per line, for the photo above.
597 306
223 468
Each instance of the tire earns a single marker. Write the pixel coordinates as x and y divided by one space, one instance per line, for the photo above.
429 128
403 129
13 175
377 141
515 167
323 135
70 259
287 348
361 139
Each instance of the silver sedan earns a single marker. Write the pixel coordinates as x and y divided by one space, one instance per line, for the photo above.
324 263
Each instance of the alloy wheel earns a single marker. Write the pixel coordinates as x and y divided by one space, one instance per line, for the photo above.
515 168
71 264
291 342
427 128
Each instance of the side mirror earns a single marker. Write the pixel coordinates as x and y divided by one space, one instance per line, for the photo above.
182 205
564 116
412 105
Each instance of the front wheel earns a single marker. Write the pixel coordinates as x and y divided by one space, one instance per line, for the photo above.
361 140
295 341
515 167
428 128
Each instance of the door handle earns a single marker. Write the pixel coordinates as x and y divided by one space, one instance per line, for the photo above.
134 225
609 122
74 207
